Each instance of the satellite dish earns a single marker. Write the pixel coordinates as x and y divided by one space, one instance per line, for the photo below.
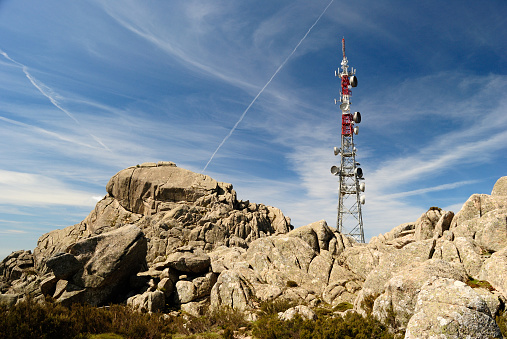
344 106
361 186
358 164
356 130
362 199
336 151
353 81
335 170
357 117
358 172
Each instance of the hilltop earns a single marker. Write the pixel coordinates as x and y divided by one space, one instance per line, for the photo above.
165 238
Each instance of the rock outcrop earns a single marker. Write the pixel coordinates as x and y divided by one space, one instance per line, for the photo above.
164 237
446 308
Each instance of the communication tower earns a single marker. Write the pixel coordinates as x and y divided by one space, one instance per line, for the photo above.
350 176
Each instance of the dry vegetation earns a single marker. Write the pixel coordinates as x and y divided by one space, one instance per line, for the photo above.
29 319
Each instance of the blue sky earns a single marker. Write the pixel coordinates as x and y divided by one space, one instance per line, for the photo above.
88 88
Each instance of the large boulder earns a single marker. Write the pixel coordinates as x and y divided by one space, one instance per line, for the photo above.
432 223
401 290
186 291
234 290
149 189
303 311
15 264
477 206
148 302
188 262
500 187
494 271
225 258
470 255
63 265
390 259
343 285
107 215
489 231
317 235
447 308
280 259
98 268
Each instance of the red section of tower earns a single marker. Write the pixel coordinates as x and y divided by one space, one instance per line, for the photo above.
345 85
347 124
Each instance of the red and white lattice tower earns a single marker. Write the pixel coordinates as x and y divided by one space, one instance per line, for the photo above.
350 219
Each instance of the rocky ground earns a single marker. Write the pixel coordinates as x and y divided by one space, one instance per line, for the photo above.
167 237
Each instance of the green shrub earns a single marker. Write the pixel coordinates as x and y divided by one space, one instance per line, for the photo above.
224 318
275 306
228 334
352 325
29 319
343 306
501 320
367 303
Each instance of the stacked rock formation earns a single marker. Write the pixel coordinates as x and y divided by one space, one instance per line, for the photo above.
165 238
151 214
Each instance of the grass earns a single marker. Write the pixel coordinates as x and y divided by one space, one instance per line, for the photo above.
474 283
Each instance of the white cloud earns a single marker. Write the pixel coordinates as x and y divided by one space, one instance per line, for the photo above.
12 232
27 189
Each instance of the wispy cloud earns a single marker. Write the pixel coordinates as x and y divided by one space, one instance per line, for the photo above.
12 232
139 20
27 189
46 132
49 93
168 81
266 85
429 189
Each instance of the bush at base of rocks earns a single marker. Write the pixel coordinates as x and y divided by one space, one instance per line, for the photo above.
352 325
343 306
270 307
29 319
501 321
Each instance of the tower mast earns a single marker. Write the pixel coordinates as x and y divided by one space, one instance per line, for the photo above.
350 176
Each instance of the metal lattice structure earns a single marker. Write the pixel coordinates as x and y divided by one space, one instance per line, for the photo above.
349 220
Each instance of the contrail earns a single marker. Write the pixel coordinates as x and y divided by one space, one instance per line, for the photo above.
39 85
266 85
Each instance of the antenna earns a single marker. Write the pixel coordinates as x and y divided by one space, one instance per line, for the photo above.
350 199
343 47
